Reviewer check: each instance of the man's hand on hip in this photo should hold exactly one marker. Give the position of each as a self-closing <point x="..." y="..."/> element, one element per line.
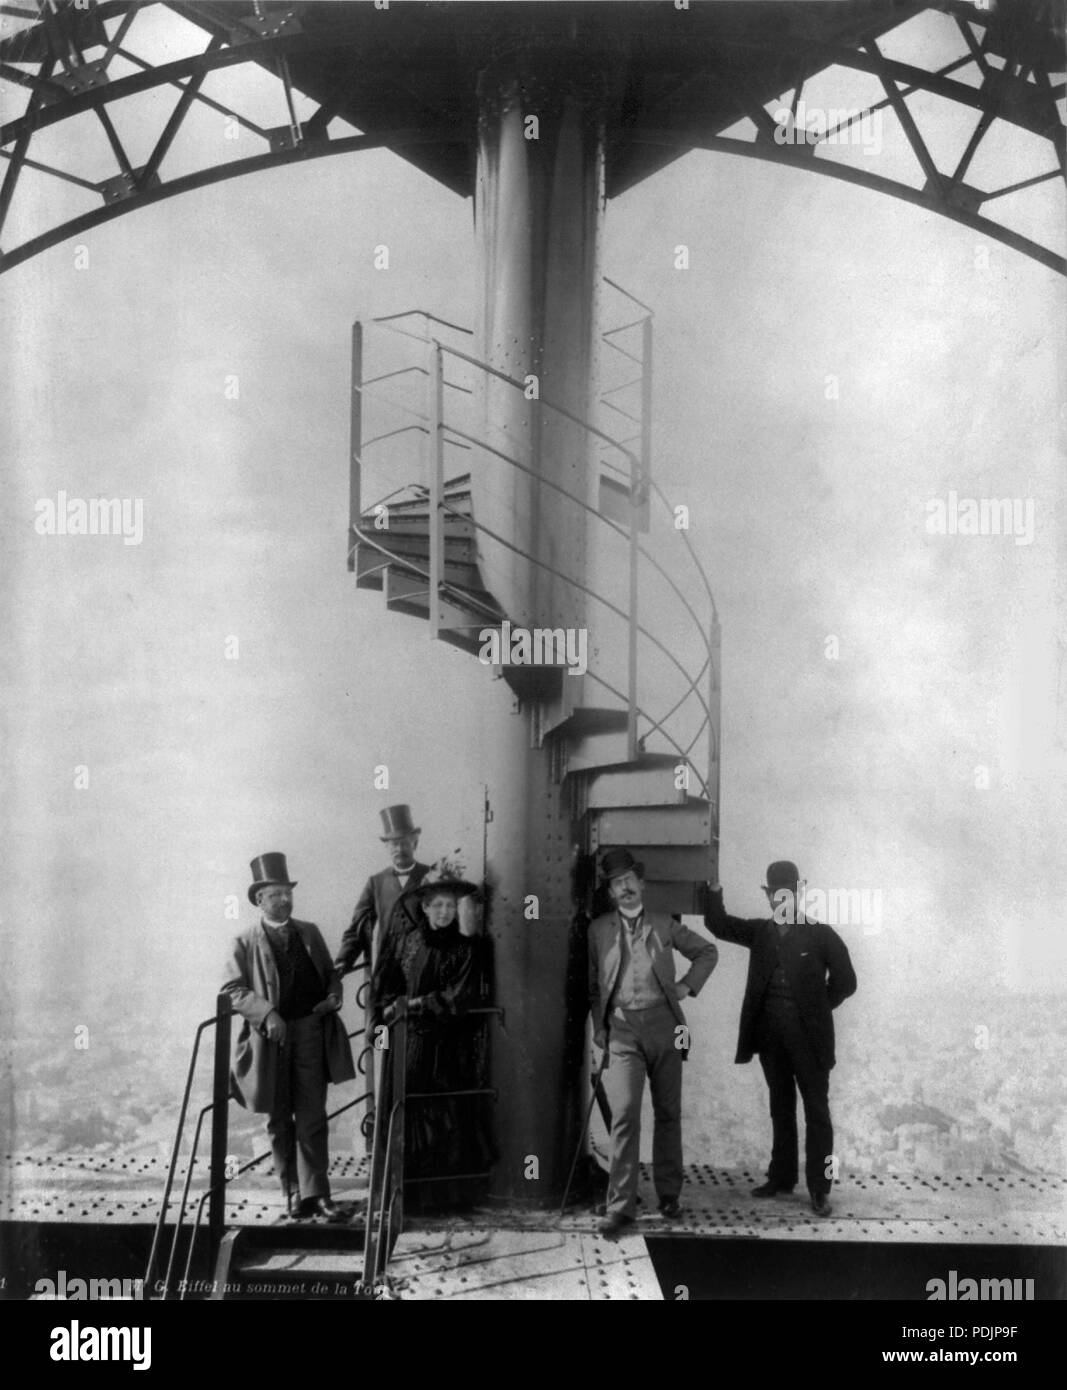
<point x="329" y="1005"/>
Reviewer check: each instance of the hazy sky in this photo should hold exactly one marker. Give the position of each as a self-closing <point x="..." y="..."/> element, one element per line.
<point x="809" y="514"/>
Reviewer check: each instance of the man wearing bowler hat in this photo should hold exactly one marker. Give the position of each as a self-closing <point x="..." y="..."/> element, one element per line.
<point x="370" y="918"/>
<point x="637" y="1016"/>
<point x="283" y="983"/>
<point x="798" y="973"/>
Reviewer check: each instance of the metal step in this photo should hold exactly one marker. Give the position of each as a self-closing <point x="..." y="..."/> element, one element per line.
<point x="459" y="626"/>
<point x="371" y="565"/>
<point x="407" y="524"/>
<point x="285" y="1261"/>
<point x="649" y="782"/>
<point x="597" y="749"/>
<point x="688" y="824"/>
<point x="464" y="573"/>
<point x="458" y="549"/>
<point x="678" y="899"/>
<point x="406" y="592"/>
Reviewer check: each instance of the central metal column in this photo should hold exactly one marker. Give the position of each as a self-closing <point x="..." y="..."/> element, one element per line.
<point x="538" y="205"/>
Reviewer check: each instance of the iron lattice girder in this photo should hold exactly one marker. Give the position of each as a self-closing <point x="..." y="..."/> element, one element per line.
<point x="407" y="78"/>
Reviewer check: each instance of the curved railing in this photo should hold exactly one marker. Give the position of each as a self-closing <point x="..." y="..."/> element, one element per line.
<point x="431" y="423"/>
<point x="219" y="1179"/>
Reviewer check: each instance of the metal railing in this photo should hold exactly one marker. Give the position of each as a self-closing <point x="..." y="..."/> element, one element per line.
<point x="219" y="1174"/>
<point x="385" y="1194"/>
<point x="384" y="1216"/>
<point x="701" y="689"/>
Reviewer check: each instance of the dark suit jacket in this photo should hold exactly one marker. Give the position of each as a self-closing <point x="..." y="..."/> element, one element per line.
<point x="816" y="964"/>
<point x="370" y="917"/>
<point x="254" y="989"/>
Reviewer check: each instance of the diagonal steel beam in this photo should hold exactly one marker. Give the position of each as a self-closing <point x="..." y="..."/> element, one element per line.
<point x="985" y="120"/>
<point x="1023" y="183"/>
<point x="907" y="121"/>
<point x="180" y="70"/>
<point x="200" y="97"/>
<point x="18" y="154"/>
<point x="56" y="173"/>
<point x="203" y="178"/>
<point x="177" y="116"/>
<point x="878" y="183"/>
<point x="114" y="141"/>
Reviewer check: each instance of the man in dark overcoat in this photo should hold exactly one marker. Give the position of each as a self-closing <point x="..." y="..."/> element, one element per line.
<point x="291" y="1043"/>
<point x="370" y="918"/>
<point x="799" y="971"/>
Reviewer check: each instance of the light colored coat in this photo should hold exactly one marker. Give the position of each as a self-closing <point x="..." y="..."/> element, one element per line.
<point x="254" y="988"/>
<point x="665" y="937"/>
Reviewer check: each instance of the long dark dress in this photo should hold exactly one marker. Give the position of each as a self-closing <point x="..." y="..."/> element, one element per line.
<point x="437" y="970"/>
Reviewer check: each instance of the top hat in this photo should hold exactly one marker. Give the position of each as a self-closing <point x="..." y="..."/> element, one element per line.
<point x="619" y="861"/>
<point x="268" y="869"/>
<point x="396" y="821"/>
<point x="782" y="874"/>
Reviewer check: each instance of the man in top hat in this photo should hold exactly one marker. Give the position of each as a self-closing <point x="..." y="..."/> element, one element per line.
<point x="798" y="973"/>
<point x="370" y="918"/>
<point x="283" y="983"/>
<point x="637" y="1016"/>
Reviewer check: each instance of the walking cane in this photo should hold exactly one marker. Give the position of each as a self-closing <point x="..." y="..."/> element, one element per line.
<point x="585" y="1126"/>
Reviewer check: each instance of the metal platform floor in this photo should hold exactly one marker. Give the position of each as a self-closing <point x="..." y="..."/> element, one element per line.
<point x="1006" y="1209"/>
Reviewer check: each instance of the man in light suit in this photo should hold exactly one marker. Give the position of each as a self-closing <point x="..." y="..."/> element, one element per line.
<point x="799" y="971"/>
<point x="637" y="1015"/>
<point x="370" y="919"/>
<point x="282" y="982"/>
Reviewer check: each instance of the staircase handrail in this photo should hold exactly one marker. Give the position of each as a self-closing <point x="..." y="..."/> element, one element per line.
<point x="218" y="1108"/>
<point x="581" y="502"/>
<point x="201" y="1029"/>
<point x="641" y="485"/>
<point x="494" y="615"/>
<point x="543" y="564"/>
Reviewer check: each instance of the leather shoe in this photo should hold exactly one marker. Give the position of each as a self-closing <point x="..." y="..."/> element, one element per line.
<point x="614" y="1224"/>
<point x="319" y="1206"/>
<point x="769" y="1189"/>
<point x="670" y="1208"/>
<point x="820" y="1204"/>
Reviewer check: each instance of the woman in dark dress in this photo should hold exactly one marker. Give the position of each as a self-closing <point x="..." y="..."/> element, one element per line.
<point x="426" y="959"/>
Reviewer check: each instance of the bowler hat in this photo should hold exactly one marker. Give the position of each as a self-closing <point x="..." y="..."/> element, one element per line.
<point x="396" y="820"/>
<point x="619" y="861"/>
<point x="267" y="870"/>
<point x="782" y="874"/>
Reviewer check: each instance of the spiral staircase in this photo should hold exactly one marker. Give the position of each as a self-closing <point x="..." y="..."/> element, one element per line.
<point x="640" y="774"/>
